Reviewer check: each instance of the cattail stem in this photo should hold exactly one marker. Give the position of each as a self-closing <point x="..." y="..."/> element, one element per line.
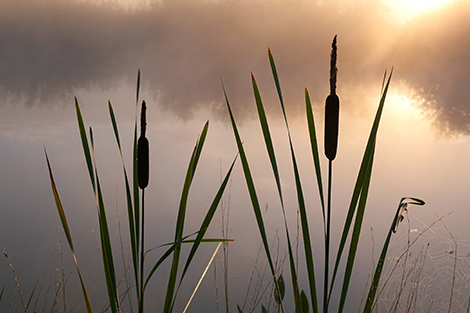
<point x="331" y="146"/>
<point x="142" y="254"/>
<point x="327" y="240"/>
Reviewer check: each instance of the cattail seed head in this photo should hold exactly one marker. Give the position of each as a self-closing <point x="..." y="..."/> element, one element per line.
<point x="332" y="109"/>
<point x="331" y="126"/>
<point x="143" y="151"/>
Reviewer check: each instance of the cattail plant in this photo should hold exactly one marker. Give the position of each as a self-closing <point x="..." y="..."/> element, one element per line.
<point x="331" y="146"/>
<point x="143" y="179"/>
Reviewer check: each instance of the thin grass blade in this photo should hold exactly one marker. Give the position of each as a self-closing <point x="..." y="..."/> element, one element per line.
<point x="202" y="277"/>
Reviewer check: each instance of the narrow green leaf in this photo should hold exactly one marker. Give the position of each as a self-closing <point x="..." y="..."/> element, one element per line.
<point x="207" y="220"/>
<point x="272" y="158"/>
<point x="130" y="210"/>
<point x="314" y="148"/>
<point x="66" y="229"/>
<point x="107" y="255"/>
<point x="31" y="295"/>
<point x="303" y="213"/>
<point x="181" y="217"/>
<point x="304" y="300"/>
<point x="361" y="189"/>
<point x="86" y="147"/>
<point x="356" y="232"/>
<point x="252" y="191"/>
<point x="359" y="182"/>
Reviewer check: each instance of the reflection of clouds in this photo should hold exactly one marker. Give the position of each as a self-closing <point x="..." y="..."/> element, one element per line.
<point x="51" y="49"/>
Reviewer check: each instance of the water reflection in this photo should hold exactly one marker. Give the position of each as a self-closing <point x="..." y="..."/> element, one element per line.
<point x="410" y="161"/>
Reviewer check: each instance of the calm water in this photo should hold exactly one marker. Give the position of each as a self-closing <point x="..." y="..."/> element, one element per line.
<point x="411" y="160"/>
<point x="61" y="49"/>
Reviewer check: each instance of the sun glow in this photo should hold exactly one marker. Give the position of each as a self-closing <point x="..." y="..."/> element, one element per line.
<point x="408" y="9"/>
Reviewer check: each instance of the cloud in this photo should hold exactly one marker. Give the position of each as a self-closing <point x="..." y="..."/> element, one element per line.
<point x="52" y="49"/>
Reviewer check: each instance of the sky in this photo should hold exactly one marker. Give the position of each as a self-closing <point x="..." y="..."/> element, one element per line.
<point x="53" y="50"/>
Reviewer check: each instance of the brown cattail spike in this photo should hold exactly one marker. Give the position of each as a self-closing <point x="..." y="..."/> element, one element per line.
<point x="332" y="110"/>
<point x="143" y="151"/>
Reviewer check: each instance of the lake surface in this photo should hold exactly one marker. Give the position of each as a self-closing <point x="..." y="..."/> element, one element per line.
<point x="54" y="50"/>
<point x="411" y="160"/>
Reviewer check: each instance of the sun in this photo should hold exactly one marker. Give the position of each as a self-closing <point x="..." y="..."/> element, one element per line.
<point x="408" y="9"/>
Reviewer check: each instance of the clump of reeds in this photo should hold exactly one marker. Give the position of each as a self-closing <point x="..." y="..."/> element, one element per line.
<point x="356" y="207"/>
<point x="136" y="217"/>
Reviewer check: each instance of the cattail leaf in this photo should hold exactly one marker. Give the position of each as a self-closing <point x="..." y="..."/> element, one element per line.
<point x="86" y="147"/>
<point x="207" y="220"/>
<point x="302" y="209"/>
<point x="360" y="181"/>
<point x="66" y="229"/>
<point x="304" y="301"/>
<point x="251" y="190"/>
<point x="130" y="210"/>
<point x="360" y="190"/>
<point x="107" y="255"/>
<point x="181" y="217"/>
<point x="314" y="148"/>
